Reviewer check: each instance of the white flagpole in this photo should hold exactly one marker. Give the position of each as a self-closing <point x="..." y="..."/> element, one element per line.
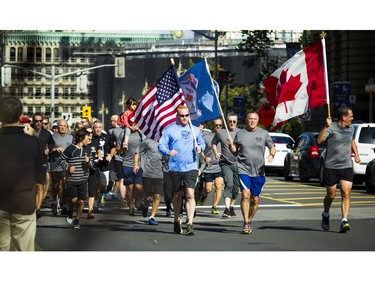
<point x="326" y="84"/>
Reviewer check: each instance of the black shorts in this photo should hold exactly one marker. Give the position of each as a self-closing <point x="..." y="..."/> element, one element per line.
<point x="118" y="171"/>
<point x="76" y="190"/>
<point x="152" y="186"/>
<point x="210" y="177"/>
<point x="182" y="180"/>
<point x="333" y="176"/>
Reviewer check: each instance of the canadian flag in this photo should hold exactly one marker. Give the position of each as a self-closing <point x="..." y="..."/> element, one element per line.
<point x="298" y="84"/>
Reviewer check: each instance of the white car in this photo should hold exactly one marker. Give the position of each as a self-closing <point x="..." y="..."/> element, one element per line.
<point x="281" y="140"/>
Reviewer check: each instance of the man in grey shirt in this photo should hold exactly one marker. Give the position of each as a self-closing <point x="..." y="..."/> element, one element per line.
<point x="338" y="166"/>
<point x="228" y="164"/>
<point x="250" y="144"/>
<point x="132" y="181"/>
<point x="152" y="176"/>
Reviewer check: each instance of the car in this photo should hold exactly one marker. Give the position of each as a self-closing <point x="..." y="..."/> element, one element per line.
<point x="281" y="141"/>
<point x="370" y="177"/>
<point x="303" y="159"/>
<point x="364" y="136"/>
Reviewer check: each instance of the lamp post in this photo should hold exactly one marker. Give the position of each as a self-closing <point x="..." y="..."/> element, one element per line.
<point x="370" y="89"/>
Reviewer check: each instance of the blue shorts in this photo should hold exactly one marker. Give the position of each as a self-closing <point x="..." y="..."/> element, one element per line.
<point x="130" y="177"/>
<point x="254" y="184"/>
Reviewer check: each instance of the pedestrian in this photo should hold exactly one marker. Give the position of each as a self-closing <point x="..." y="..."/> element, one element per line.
<point x="182" y="142"/>
<point x="132" y="181"/>
<point x="152" y="176"/>
<point x="228" y="164"/>
<point x="104" y="149"/>
<point x="76" y="161"/>
<point x="249" y="144"/>
<point x="212" y="174"/>
<point x="116" y="175"/>
<point x="46" y="143"/>
<point x="22" y="169"/>
<point x="338" y="166"/>
<point x="62" y="139"/>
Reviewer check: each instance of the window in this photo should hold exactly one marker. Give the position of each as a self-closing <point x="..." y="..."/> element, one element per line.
<point x="12" y="54"/>
<point x="48" y="55"/>
<point x="56" y="54"/>
<point x="20" y="54"/>
<point x="30" y="54"/>
<point x="38" y="52"/>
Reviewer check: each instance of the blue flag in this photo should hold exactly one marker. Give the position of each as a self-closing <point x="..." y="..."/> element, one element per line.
<point x="200" y="96"/>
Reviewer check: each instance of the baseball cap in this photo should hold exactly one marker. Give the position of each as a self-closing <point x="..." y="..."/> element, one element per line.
<point x="25" y="119"/>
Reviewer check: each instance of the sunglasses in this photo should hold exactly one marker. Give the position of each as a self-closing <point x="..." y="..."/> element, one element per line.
<point x="44" y="123"/>
<point x="232" y="121"/>
<point x="182" y="115"/>
<point x="37" y="121"/>
<point x="218" y="125"/>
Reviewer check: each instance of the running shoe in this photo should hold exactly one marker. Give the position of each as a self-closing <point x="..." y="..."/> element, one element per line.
<point x="325" y="222"/>
<point x="131" y="212"/>
<point x="90" y="215"/>
<point x="64" y="210"/>
<point x="231" y="212"/>
<point x="144" y="211"/>
<point x="115" y="196"/>
<point x="125" y="147"/>
<point x="177" y="227"/>
<point x="168" y="213"/>
<point x="226" y="213"/>
<point x="76" y="224"/>
<point x="190" y="230"/>
<point x="247" y="229"/>
<point x="102" y="201"/>
<point x="54" y="208"/>
<point x="344" y="227"/>
<point x="152" y="221"/>
<point x="214" y="211"/>
<point x="202" y="200"/>
<point x="69" y="217"/>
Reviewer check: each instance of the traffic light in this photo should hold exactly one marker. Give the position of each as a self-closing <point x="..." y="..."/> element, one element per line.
<point x="86" y="112"/>
<point x="120" y="67"/>
<point x="6" y="76"/>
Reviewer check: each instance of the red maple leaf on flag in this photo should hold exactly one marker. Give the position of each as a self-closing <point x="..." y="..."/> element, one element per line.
<point x="286" y="90"/>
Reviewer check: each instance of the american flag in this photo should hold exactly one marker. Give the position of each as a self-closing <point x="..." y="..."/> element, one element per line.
<point x="157" y="109"/>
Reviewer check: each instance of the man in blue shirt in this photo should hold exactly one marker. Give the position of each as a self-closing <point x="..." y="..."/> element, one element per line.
<point x="182" y="142"/>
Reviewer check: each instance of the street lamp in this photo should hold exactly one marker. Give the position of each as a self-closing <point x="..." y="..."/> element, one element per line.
<point x="370" y="89"/>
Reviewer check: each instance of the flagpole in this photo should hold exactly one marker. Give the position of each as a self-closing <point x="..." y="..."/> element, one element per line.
<point x="190" y="124"/>
<point x="326" y="84"/>
<point x="217" y="98"/>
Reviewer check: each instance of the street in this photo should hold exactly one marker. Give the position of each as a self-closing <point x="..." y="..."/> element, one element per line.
<point x="287" y="243"/>
<point x="288" y="219"/>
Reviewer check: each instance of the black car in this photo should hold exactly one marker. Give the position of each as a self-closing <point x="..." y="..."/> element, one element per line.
<point x="370" y="177"/>
<point x="303" y="160"/>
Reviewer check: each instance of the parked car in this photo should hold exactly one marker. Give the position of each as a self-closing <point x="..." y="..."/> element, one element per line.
<point x="364" y="136"/>
<point x="303" y="159"/>
<point x="281" y="141"/>
<point x="370" y="177"/>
